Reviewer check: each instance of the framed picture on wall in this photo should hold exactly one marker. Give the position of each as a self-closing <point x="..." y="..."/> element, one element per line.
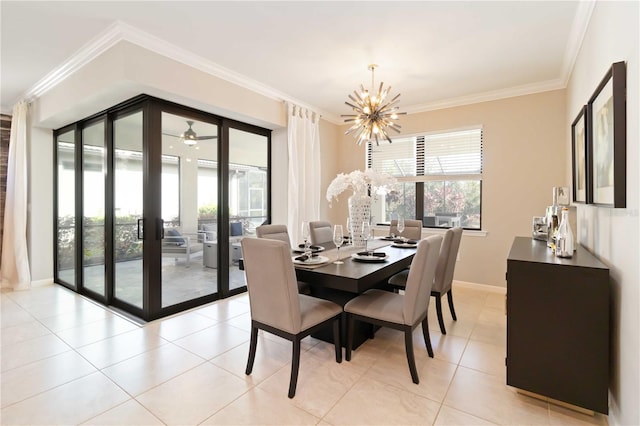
<point x="607" y="139"/>
<point x="579" y="157"/>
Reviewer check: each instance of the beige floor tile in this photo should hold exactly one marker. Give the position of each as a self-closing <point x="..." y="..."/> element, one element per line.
<point x="130" y="413"/>
<point x="12" y="314"/>
<point x="83" y="314"/>
<point x="485" y="357"/>
<point x="320" y="383"/>
<point x="144" y="371"/>
<point x="72" y="403"/>
<point x="24" y="331"/>
<point x="213" y="341"/>
<point x="243" y="322"/>
<point x="493" y="334"/>
<point x="488" y="397"/>
<point x="374" y="403"/>
<point x="26" y="381"/>
<point x="31" y="350"/>
<point x="447" y="347"/>
<point x="257" y="407"/>
<point x="192" y="397"/>
<point x="223" y="310"/>
<point x="93" y="332"/>
<point x="270" y="357"/>
<point x="451" y="417"/>
<point x="179" y="326"/>
<point x="121" y="347"/>
<point x="565" y="416"/>
<point x="435" y="375"/>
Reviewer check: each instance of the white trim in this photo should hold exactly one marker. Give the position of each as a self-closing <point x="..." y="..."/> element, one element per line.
<point x="91" y="50"/>
<point x="42" y="283"/>
<point x="493" y="95"/>
<point x="483" y="287"/>
<point x="576" y="37"/>
<point x="119" y="31"/>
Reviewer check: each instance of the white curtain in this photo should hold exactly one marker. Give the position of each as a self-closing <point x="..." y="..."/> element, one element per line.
<point x="14" y="268"/>
<point x="304" y="168"/>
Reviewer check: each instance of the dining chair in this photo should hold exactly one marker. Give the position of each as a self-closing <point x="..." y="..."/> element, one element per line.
<point x="321" y="232"/>
<point x="412" y="229"/>
<point x="281" y="233"/>
<point x="277" y="307"/>
<point x="444" y="274"/>
<point x="402" y="312"/>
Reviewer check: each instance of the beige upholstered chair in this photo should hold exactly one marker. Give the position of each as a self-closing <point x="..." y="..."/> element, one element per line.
<point x="401" y="312"/>
<point x="276" y="305"/>
<point x="444" y="274"/>
<point x="412" y="229"/>
<point x="321" y="232"/>
<point x="274" y="232"/>
<point x="280" y="233"/>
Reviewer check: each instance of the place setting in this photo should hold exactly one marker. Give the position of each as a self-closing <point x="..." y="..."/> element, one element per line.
<point x="309" y="253"/>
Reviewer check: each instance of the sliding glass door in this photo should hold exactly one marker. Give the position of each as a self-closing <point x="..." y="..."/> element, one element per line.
<point x="189" y="209"/>
<point x="152" y="202"/>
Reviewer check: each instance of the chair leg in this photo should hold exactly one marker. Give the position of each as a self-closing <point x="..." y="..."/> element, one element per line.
<point x="295" y="366"/>
<point x="453" y="311"/>
<point x="439" y="312"/>
<point x="427" y="338"/>
<point x="350" y="324"/>
<point x="252" y="349"/>
<point x="408" y="344"/>
<point x="336" y="339"/>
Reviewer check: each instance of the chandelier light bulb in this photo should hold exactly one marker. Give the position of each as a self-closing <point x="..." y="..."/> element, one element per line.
<point x="371" y="116"/>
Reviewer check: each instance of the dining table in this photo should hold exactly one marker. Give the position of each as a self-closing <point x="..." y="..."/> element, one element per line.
<point x="340" y="283"/>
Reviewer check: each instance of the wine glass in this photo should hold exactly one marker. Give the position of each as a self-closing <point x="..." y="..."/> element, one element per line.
<point x="349" y="230"/>
<point x="400" y="226"/>
<point x="338" y="240"/>
<point x="306" y="233"/>
<point x="366" y="233"/>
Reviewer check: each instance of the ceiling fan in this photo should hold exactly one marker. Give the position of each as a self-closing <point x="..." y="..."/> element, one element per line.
<point x="189" y="136"/>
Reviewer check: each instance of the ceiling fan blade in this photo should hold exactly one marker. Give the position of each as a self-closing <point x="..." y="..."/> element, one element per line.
<point x="170" y="134"/>
<point x="202" y="138"/>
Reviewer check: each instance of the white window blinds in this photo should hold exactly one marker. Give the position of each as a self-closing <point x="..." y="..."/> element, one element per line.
<point x="453" y="154"/>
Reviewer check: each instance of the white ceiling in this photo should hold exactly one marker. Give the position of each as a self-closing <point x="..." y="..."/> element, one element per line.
<point x="434" y="53"/>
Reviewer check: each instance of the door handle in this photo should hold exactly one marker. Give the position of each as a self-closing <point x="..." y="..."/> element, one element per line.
<point x="160" y="228"/>
<point x="141" y="229"/>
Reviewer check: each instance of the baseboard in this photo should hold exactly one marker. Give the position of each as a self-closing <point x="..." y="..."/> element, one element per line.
<point x="483" y="287"/>
<point x="42" y="283"/>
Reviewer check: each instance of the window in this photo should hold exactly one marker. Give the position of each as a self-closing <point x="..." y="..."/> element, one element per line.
<point x="439" y="178"/>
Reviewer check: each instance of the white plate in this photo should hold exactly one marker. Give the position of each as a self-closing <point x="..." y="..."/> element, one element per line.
<point x="358" y="257"/>
<point x="301" y="250"/>
<point x="404" y="245"/>
<point x="313" y="261"/>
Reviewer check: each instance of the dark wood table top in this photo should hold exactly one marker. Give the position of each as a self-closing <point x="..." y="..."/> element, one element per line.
<point x="355" y="276"/>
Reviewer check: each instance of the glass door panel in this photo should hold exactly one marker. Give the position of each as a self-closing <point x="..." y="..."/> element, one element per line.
<point x="66" y="208"/>
<point x="128" y="165"/>
<point x="189" y="209"/>
<point x="248" y="193"/>
<point x="93" y="230"/>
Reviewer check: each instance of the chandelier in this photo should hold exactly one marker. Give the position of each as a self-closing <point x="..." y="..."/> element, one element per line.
<point x="373" y="116"/>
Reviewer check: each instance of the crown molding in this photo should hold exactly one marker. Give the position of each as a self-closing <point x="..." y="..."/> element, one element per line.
<point x="120" y="31"/>
<point x="527" y="89"/>
<point x="576" y="37"/>
<point x="91" y="50"/>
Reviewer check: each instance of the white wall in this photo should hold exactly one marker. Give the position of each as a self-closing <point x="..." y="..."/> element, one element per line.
<point x="613" y="234"/>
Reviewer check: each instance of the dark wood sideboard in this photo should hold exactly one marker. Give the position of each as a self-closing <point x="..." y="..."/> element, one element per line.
<point x="558" y="324"/>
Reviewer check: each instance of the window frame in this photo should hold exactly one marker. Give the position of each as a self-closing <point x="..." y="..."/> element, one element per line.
<point x="422" y="176"/>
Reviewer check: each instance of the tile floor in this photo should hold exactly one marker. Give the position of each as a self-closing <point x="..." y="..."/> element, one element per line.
<point x="66" y="360"/>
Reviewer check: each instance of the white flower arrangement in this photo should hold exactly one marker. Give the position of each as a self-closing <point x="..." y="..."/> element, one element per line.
<point x="358" y="181"/>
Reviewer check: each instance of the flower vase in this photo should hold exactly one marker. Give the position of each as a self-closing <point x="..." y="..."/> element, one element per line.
<point x="359" y="212"/>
